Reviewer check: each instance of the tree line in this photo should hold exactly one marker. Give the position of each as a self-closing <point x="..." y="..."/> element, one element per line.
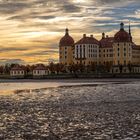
<point x="57" y="68"/>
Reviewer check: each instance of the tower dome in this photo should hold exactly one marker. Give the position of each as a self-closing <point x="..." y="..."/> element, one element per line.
<point x="66" y="40"/>
<point x="122" y="35"/>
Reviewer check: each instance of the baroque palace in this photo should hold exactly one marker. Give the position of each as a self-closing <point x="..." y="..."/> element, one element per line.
<point x="116" y="51"/>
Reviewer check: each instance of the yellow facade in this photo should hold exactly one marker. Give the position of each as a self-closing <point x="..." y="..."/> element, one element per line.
<point x="66" y="49"/>
<point x="86" y="51"/>
<point x="85" y="62"/>
<point x="122" y="53"/>
<point x="66" y="55"/>
<point x="115" y="51"/>
<point x="136" y="56"/>
<point x="106" y="56"/>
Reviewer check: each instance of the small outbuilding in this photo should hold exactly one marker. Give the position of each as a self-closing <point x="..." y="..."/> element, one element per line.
<point x="40" y="71"/>
<point x="17" y="72"/>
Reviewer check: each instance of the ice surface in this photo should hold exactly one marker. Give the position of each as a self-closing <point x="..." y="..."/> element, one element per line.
<point x="72" y="111"/>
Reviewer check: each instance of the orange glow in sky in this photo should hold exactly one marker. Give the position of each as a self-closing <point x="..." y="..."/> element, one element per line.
<point x="30" y="30"/>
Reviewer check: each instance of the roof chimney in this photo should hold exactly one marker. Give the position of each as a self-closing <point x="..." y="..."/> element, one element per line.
<point x="84" y="35"/>
<point x="91" y="36"/>
<point x="106" y="36"/>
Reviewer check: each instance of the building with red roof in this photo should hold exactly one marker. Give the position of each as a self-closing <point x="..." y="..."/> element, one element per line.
<point x="40" y="71"/>
<point x="122" y="35"/>
<point x="106" y="50"/>
<point x="111" y="51"/>
<point x="17" y="72"/>
<point x="86" y="50"/>
<point x="66" y="49"/>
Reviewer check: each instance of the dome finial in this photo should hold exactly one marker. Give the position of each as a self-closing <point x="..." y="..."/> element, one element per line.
<point x="130" y="31"/>
<point x="103" y="35"/>
<point x="122" y="26"/>
<point x="67" y="31"/>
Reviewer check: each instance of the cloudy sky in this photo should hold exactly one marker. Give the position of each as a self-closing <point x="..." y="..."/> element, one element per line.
<point x="30" y="30"/>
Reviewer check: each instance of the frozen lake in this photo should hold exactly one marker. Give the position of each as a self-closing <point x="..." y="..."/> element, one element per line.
<point x="9" y="86"/>
<point x="70" y="109"/>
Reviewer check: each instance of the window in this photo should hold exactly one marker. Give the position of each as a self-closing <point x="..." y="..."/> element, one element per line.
<point x="124" y="62"/>
<point x="84" y="51"/>
<point x="118" y="62"/>
<point x="77" y="52"/>
<point x="118" y="49"/>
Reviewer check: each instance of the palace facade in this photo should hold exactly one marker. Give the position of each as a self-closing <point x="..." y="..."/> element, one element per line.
<point x="115" y="51"/>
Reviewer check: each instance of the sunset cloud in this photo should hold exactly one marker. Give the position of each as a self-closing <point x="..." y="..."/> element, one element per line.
<point x="30" y="30"/>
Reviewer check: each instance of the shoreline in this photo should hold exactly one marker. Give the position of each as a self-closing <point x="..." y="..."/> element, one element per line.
<point x="75" y="80"/>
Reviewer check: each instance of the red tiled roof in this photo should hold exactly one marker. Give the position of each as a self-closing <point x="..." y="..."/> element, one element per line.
<point x="67" y="40"/>
<point x="17" y="68"/>
<point x="122" y="36"/>
<point x="88" y="40"/>
<point x="40" y="67"/>
<point x="107" y="42"/>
